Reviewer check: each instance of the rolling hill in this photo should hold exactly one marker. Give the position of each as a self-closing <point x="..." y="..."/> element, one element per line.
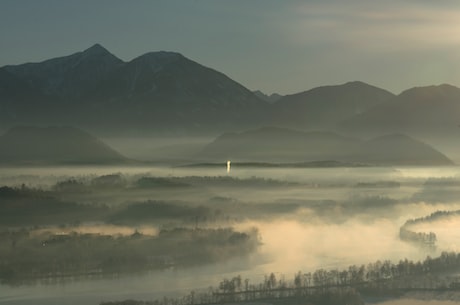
<point x="285" y="145"/>
<point x="54" y="145"/>
<point x="324" y="107"/>
<point x="420" y="111"/>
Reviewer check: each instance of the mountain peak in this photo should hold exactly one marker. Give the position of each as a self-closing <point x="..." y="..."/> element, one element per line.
<point x="160" y="56"/>
<point x="355" y="83"/>
<point x="96" y="49"/>
<point x="155" y="61"/>
<point x="432" y="91"/>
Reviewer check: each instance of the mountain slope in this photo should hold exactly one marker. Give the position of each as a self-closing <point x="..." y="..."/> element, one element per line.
<point x="172" y="90"/>
<point x="161" y="90"/>
<point x="54" y="145"/>
<point x="421" y="111"/>
<point x="400" y="149"/>
<point x="272" y="98"/>
<point x="69" y="77"/>
<point x="15" y="97"/>
<point x="285" y="145"/>
<point x="324" y="107"/>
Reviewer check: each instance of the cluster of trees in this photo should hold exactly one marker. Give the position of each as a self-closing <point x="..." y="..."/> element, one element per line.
<point x="378" y="184"/>
<point x="423" y="238"/>
<point x="117" y="181"/>
<point x="25" y="206"/>
<point x="433" y="217"/>
<point x="26" y="255"/>
<point x="224" y="181"/>
<point x="329" y="286"/>
<point x="145" y="212"/>
<point x="437" y="190"/>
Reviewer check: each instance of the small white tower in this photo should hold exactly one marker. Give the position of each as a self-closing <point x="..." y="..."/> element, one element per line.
<point x="228" y="166"/>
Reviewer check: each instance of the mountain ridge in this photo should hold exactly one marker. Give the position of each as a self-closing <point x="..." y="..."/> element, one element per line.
<point x="286" y="145"/>
<point x="323" y="107"/>
<point x="417" y="111"/>
<point x="157" y="90"/>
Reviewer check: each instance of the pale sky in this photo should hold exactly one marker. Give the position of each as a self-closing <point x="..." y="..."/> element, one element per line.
<point x="283" y="46"/>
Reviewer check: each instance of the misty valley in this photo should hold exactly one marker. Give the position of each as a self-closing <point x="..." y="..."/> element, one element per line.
<point x="160" y="181"/>
<point x="169" y="230"/>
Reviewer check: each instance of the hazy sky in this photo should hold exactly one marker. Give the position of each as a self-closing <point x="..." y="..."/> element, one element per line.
<point x="283" y="46"/>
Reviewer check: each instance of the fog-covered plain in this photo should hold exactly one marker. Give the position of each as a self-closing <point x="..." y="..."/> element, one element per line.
<point x="306" y="219"/>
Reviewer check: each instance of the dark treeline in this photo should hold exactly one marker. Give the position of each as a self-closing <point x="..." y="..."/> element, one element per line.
<point x="433" y="217"/>
<point x="423" y="238"/>
<point x="28" y="255"/>
<point x="329" y="286"/>
<point x="378" y="184"/>
<point x="117" y="181"/>
<point x="436" y="190"/>
<point x="26" y="206"/>
<point x="78" y="201"/>
<point x="211" y="181"/>
<point x="145" y="212"/>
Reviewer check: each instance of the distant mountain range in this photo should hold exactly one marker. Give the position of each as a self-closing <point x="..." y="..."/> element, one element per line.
<point x="59" y="145"/>
<point x="166" y="93"/>
<point x="285" y="145"/>
<point x="54" y="145"/>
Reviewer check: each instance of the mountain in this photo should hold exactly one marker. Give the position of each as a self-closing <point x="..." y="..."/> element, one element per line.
<point x="54" y="145"/>
<point x="432" y="111"/>
<point x="324" y="107"/>
<point x="272" y="98"/>
<point x="158" y="90"/>
<point x="285" y="145"/>
<point x="15" y="97"/>
<point x="70" y="77"/>
<point x="400" y="149"/>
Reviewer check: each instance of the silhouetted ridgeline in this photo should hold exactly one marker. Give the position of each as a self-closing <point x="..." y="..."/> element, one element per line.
<point x="347" y="286"/>
<point x="324" y="107"/>
<point x="95" y="90"/>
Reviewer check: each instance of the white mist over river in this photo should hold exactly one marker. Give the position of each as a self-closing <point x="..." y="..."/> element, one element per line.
<point x="301" y="241"/>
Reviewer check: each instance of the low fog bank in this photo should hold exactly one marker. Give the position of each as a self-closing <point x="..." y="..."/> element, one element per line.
<point x="273" y="220"/>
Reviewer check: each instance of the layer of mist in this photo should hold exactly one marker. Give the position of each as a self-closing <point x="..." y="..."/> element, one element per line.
<point x="305" y="219"/>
